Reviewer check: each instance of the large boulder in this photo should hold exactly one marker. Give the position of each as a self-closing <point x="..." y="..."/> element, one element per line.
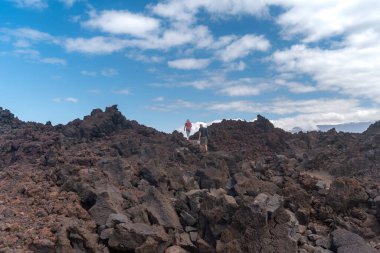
<point x="128" y="236"/>
<point x="260" y="235"/>
<point x="107" y="202"/>
<point x="345" y="193"/>
<point x="160" y="209"/>
<point x="267" y="204"/>
<point x="217" y="210"/>
<point x="72" y="238"/>
<point x="248" y="184"/>
<point x="176" y="249"/>
<point x="257" y="214"/>
<point x="347" y="242"/>
<point x="215" y="172"/>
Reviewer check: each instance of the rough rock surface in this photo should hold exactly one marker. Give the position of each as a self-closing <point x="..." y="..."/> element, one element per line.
<point x="348" y="242"/>
<point x="109" y="185"/>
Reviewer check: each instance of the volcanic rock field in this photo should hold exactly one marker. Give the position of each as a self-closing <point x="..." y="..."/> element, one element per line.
<point x="106" y="184"/>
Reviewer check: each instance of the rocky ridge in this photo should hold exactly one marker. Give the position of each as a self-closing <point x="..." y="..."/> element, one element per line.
<point x="108" y="184"/>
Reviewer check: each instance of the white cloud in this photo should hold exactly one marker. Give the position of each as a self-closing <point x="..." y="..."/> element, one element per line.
<point x="178" y="104"/>
<point x="241" y="90"/>
<point x="243" y="46"/>
<point x="32" y="34"/>
<point x="300" y="88"/>
<point x="122" y="92"/>
<point x="24" y="38"/>
<point x="71" y="100"/>
<point x="348" y="70"/>
<point x="4" y="38"/>
<point x="235" y="66"/>
<point x="311" y="121"/>
<point x="223" y="41"/>
<point x="28" y="53"/>
<point x="174" y="10"/>
<point x="189" y="63"/>
<point x="306" y="114"/>
<point x="316" y="20"/>
<point x="276" y="106"/>
<point x="208" y="82"/>
<point x="37" y="4"/>
<point x="185" y="11"/>
<point x="176" y="36"/>
<point x="35" y="56"/>
<point x="159" y="99"/>
<point x="308" y="122"/>
<point x="239" y="106"/>
<point x="286" y="107"/>
<point x="75" y="18"/>
<point x="295" y="87"/>
<point x="198" y="36"/>
<point x="364" y="39"/>
<point x="349" y="59"/>
<point x="231" y="87"/>
<point x="28" y="35"/>
<point x="89" y="73"/>
<point x="144" y="58"/>
<point x="68" y="3"/>
<point x="67" y="99"/>
<point x="123" y="22"/>
<point x="95" y="91"/>
<point x="22" y="43"/>
<point x="321" y="105"/>
<point x="95" y="45"/>
<point x="108" y="72"/>
<point x="54" y="61"/>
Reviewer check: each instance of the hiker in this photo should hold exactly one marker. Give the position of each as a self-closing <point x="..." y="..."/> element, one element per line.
<point x="203" y="136"/>
<point x="187" y="128"/>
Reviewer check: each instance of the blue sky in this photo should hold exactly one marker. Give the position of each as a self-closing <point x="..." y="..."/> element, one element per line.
<point x="298" y="63"/>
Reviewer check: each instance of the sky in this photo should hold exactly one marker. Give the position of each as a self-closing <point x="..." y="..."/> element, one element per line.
<point x="299" y="63"/>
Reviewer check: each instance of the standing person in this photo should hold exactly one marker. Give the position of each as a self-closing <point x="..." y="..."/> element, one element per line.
<point x="187" y="128"/>
<point x="203" y="136"/>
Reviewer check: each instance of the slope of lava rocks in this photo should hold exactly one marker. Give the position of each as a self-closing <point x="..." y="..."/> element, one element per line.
<point x="250" y="139"/>
<point x="108" y="184"/>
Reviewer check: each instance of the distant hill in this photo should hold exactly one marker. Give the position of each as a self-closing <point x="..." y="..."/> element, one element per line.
<point x="358" y="127"/>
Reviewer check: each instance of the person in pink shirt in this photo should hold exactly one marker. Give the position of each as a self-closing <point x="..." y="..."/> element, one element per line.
<point x="187" y="128"/>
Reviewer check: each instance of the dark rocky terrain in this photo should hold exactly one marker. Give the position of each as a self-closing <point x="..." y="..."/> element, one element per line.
<point x="107" y="184"/>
